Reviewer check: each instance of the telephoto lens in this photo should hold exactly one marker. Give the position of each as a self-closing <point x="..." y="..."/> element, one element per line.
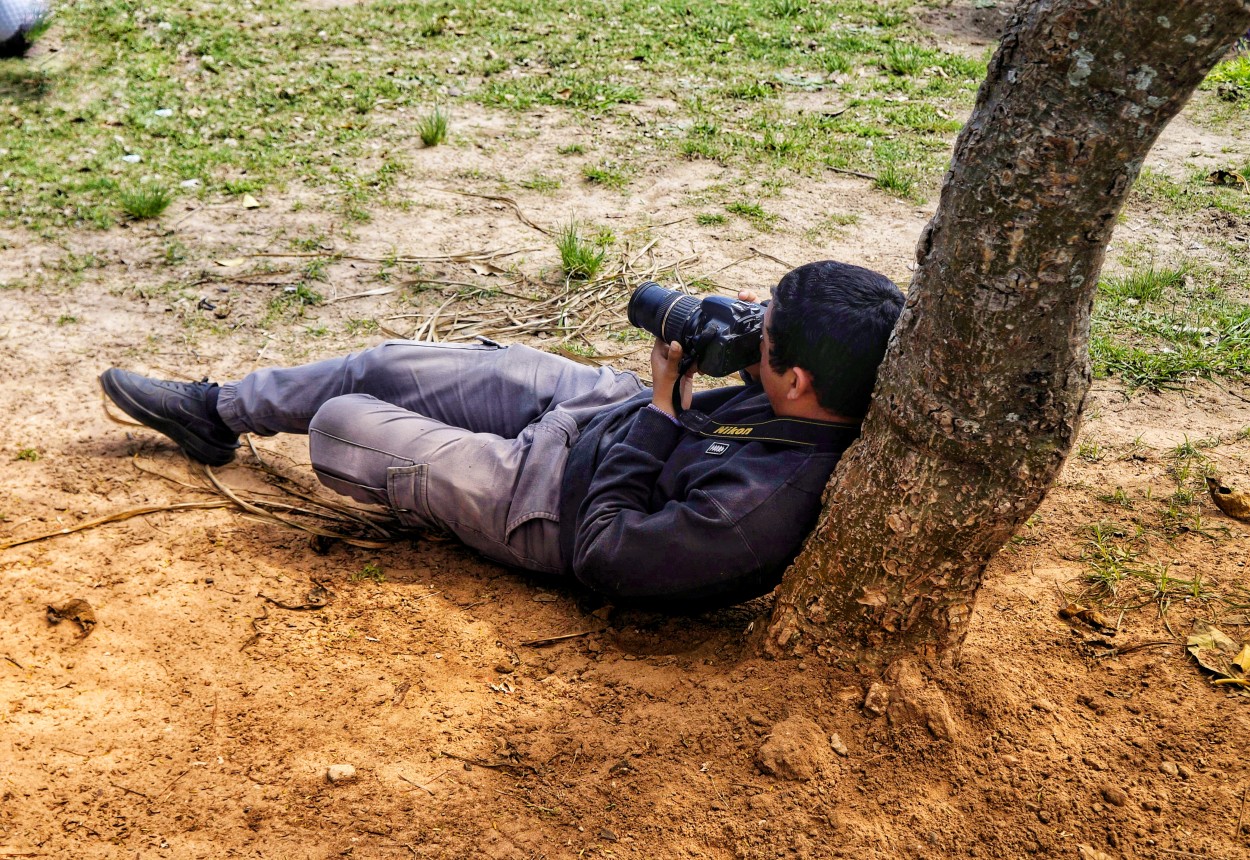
<point x="720" y="335"/>
<point x="661" y="311"/>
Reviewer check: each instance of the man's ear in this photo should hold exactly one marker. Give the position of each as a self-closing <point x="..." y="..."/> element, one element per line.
<point x="802" y="384"/>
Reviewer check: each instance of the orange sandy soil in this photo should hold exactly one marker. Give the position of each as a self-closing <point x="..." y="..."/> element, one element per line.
<point x="198" y="719"/>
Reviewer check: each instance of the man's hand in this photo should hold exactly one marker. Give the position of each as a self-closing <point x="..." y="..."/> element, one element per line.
<point x="665" y="359"/>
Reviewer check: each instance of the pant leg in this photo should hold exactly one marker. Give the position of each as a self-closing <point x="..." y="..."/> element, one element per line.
<point x="480" y="387"/>
<point x="436" y="476"/>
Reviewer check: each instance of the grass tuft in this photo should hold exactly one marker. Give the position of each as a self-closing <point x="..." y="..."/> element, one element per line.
<point x="608" y="174"/>
<point x="371" y="572"/>
<point x="753" y="212"/>
<point x="432" y="128"/>
<point x="895" y="181"/>
<point x="146" y="201"/>
<point x="580" y="258"/>
<point x="1148" y="285"/>
<point x="1163" y="328"/>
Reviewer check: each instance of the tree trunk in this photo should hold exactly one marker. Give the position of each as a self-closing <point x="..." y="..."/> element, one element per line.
<point x="979" y="399"/>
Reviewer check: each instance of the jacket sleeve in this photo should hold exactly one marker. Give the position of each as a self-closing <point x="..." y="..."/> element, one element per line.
<point x="689" y="549"/>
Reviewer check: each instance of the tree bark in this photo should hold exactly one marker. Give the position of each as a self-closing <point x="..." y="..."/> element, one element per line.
<point x="979" y="399"/>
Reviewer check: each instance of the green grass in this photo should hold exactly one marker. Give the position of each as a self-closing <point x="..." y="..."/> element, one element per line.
<point x="895" y="180"/>
<point x="432" y="127"/>
<point x="1119" y="498"/>
<point x="242" y="106"/>
<point x="30" y="455"/>
<point x="293" y="301"/>
<point x="1090" y="452"/>
<point x="608" y="174"/>
<point x="1234" y="71"/>
<point x="358" y="327"/>
<point x="581" y="258"/>
<point x="1126" y="563"/>
<point x="1111" y="553"/>
<point x="145" y="201"/>
<point x="1143" y="285"/>
<point x="753" y="212"/>
<point x="541" y="183"/>
<point x="371" y="572"/>
<point x="1164" y="327"/>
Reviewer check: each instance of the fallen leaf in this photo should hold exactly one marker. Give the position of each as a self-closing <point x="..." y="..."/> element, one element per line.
<point x="1242" y="660"/>
<point x="77" y="610"/>
<point x="231" y="263"/>
<point x="1220" y="655"/>
<point x="1092" y="617"/>
<point x="1228" y="500"/>
<point x="250" y="202"/>
<point x="487" y="269"/>
<point x="1228" y="177"/>
<point x="564" y="94"/>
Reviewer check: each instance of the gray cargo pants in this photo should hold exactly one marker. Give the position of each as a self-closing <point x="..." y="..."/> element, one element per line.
<point x="467" y="438"/>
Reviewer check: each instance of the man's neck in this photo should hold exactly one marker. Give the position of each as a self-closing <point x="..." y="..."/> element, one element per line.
<point x="813" y="412"/>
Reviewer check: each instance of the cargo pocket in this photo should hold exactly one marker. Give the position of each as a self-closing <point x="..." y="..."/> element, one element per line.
<point x="407" y="488"/>
<point x="537" y="493"/>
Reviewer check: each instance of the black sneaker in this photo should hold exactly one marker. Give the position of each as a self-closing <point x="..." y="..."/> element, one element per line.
<point x="180" y="410"/>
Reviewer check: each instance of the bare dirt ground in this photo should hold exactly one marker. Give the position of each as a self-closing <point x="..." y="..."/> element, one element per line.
<point x="199" y="719"/>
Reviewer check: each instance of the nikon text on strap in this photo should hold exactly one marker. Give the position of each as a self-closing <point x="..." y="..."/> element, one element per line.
<point x="800" y="432"/>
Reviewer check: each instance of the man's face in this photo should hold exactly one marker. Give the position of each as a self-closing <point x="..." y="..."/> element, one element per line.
<point x="775" y="384"/>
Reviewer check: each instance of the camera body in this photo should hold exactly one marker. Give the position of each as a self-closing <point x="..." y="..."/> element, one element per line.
<point x="721" y="335"/>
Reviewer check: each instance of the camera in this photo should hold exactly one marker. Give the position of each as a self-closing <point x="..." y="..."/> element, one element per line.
<point x="721" y="335"/>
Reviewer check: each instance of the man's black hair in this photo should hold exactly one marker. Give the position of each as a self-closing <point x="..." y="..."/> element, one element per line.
<point x="14" y="47"/>
<point x="834" y="321"/>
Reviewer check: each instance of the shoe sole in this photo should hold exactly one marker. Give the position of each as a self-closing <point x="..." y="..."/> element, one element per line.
<point x="192" y="445"/>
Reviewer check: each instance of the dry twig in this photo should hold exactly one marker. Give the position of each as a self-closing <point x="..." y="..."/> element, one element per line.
<point x="547" y="640"/>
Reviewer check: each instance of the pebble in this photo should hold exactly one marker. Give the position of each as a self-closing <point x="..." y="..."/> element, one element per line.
<point x="1169" y="768"/>
<point x="162" y="112"/>
<point x="1185" y="771"/>
<point x="340" y="773"/>
<point x="1095" y="763"/>
<point x="1046" y="705"/>
<point x="1114" y="795"/>
<point x="132" y="158"/>
<point x="189" y="183"/>
<point x="839" y="747"/>
<point x="877" y="699"/>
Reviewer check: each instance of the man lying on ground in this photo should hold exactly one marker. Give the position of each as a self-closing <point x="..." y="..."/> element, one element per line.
<point x="549" y="465"/>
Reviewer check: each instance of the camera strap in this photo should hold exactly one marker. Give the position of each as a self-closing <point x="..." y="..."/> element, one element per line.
<point x="800" y="432"/>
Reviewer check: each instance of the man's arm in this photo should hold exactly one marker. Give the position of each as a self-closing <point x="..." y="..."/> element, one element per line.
<point x="728" y="535"/>
<point x="688" y="549"/>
